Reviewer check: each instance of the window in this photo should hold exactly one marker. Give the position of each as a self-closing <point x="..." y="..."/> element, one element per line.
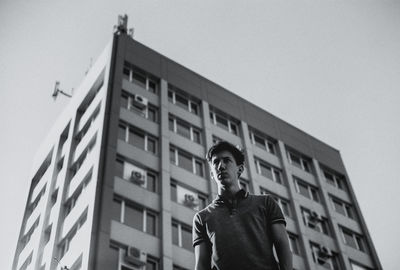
<point x="335" y="180"/>
<point x="184" y="129"/>
<point x="27" y="262"/>
<point x="343" y="208"/>
<point x="299" y="161"/>
<point x="152" y="263"/>
<point x="186" y="161"/>
<point x="187" y="197"/>
<point x="141" y="78"/>
<point x="72" y="201"/>
<point x="79" y="136"/>
<point x="145" y="178"/>
<point x="315" y="221"/>
<point x="35" y="203"/>
<point x="268" y="171"/>
<point x="283" y="203"/>
<point x="223" y="121"/>
<point x="306" y="190"/>
<point x="262" y="141"/>
<point x="148" y="111"/>
<point x="137" y="138"/>
<point x="324" y="257"/>
<point x="177" y="97"/>
<point x="182" y="235"/>
<point x="356" y="266"/>
<point x="353" y="239"/>
<point x="65" y="244"/>
<point x="42" y="170"/>
<point x="294" y="243"/>
<point x="136" y="216"/>
<point x="81" y="159"/>
<point x="27" y="237"/>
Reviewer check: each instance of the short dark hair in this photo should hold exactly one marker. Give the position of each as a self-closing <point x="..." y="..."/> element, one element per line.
<point x="220" y="146"/>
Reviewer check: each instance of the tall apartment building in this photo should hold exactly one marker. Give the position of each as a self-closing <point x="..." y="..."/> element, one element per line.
<point x="119" y="178"/>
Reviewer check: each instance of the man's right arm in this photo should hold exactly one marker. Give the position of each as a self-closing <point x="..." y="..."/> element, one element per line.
<point x="203" y="256"/>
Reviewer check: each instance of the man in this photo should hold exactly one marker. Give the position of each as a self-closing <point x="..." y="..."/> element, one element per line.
<point x="238" y="230"/>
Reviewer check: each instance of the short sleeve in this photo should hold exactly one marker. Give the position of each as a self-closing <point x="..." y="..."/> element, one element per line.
<point x="274" y="212"/>
<point x="198" y="232"/>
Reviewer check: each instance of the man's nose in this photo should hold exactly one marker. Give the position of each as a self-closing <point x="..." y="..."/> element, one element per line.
<point x="221" y="165"/>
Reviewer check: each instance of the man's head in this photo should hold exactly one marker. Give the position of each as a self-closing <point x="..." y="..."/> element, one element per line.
<point x="226" y="162"/>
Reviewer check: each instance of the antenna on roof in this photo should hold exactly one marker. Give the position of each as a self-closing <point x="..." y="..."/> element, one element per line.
<point x="122" y="26"/>
<point x="58" y="90"/>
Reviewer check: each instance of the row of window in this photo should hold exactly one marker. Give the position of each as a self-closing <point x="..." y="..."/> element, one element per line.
<point x="218" y="118"/>
<point x="148" y="179"/>
<point x="321" y="255"/>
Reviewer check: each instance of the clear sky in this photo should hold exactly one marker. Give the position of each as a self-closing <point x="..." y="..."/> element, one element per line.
<point x="331" y="68"/>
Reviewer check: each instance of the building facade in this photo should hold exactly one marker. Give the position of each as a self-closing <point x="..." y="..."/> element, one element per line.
<point x="121" y="174"/>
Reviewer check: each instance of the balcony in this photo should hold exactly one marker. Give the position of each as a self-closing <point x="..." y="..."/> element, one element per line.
<point x="42" y="182"/>
<point x="129" y="236"/>
<point x="146" y="158"/>
<point x="183" y="257"/>
<point x="40" y="208"/>
<point x="193" y="180"/>
<point x="185" y="115"/>
<point x="80" y="206"/>
<point x="30" y="246"/>
<point x="84" y="171"/>
<point x="90" y="134"/>
<point x="79" y="246"/>
<point x="136" y="193"/>
<point x="89" y="111"/>
<point x="182" y="213"/>
<point x="135" y="119"/>
<point x="134" y="89"/>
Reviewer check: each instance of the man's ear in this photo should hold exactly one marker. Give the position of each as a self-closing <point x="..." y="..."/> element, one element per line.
<point x="212" y="175"/>
<point x="240" y="169"/>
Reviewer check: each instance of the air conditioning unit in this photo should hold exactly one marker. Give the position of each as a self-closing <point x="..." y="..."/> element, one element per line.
<point x="138" y="177"/>
<point x="140" y="102"/>
<point x="323" y="255"/>
<point x="190" y="200"/>
<point x="135" y="256"/>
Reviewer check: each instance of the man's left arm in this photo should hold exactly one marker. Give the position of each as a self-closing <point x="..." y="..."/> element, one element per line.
<point x="282" y="248"/>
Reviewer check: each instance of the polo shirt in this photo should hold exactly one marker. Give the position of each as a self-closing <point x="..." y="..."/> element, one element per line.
<point x="238" y="231"/>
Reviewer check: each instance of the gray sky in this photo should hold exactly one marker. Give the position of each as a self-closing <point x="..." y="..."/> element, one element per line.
<point x="331" y="68"/>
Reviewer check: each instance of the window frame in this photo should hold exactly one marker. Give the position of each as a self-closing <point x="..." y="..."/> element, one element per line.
<point x="231" y="126"/>
<point x="268" y="144"/>
<point x="192" y="105"/>
<point x="274" y="171"/>
<point x="312" y="190"/>
<point x="129" y="129"/>
<point x="195" y="160"/>
<point x="192" y="129"/>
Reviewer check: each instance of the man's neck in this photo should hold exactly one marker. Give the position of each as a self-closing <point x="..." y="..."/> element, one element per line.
<point x="228" y="192"/>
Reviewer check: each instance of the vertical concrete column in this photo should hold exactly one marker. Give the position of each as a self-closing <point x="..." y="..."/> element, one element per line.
<point x="248" y="151"/>
<point x="330" y="215"/>
<point x="205" y="109"/>
<point x="165" y="181"/>
<point x="304" y="244"/>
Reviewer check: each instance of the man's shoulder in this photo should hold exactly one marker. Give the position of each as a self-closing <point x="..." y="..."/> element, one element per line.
<point x="207" y="211"/>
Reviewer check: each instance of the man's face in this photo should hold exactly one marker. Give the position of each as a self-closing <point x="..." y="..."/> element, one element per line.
<point x="224" y="169"/>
